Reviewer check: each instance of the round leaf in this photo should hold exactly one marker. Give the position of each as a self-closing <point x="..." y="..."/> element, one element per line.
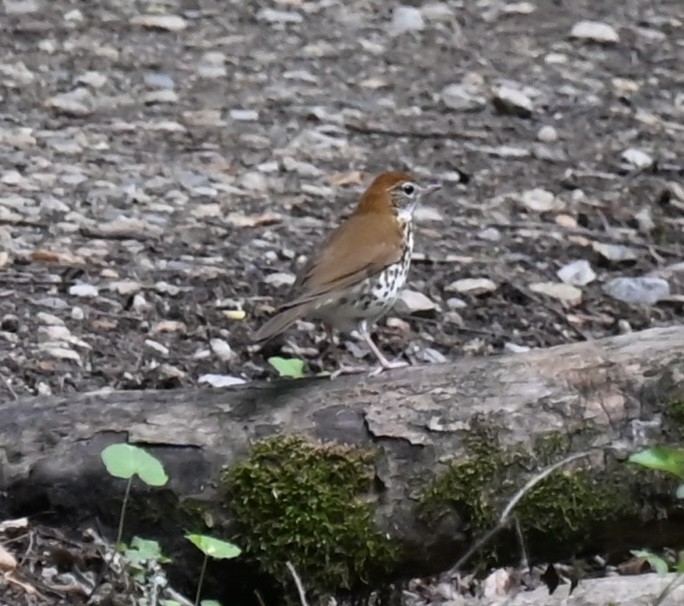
<point x="288" y="367"/>
<point x="126" y="460"/>
<point x="214" y="548"/>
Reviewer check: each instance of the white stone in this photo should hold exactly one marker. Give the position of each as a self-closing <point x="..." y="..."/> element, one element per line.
<point x="221" y="349"/>
<point x="220" y="380"/>
<point x="406" y="19"/>
<point x="637" y="291"/>
<point x="83" y="290"/>
<point x="577" y="273"/>
<point x="557" y="290"/>
<point x="280" y="279"/>
<point x="541" y="200"/>
<point x="411" y="301"/>
<point x="637" y="158"/>
<point x="474" y="286"/>
<point x="595" y="31"/>
<point x="171" y="23"/>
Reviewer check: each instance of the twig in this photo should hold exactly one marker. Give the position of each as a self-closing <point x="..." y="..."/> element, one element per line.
<point x="298" y="583"/>
<point x="365" y="129"/>
<point x="669" y="588"/>
<point x="88" y="232"/>
<point x="503" y="518"/>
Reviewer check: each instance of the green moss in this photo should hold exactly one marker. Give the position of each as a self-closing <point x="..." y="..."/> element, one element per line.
<point x="303" y="502"/>
<point x="565" y="506"/>
<point x="676" y="412"/>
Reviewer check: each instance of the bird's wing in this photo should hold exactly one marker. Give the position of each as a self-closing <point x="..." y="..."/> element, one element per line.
<point x="359" y="248"/>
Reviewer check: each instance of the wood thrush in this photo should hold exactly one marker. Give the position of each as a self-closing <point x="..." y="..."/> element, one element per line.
<point x="357" y="274"/>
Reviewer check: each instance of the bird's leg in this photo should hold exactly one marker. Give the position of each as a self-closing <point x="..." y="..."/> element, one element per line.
<point x="385" y="364"/>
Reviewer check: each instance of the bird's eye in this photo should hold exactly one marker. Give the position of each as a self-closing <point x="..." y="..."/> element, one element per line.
<point x="408" y="188"/>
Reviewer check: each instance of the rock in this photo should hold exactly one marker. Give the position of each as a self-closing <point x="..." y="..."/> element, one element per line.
<point x="577" y="273"/>
<point x="78" y="102"/>
<point x="541" y="200"/>
<point x="456" y="303"/>
<point x="509" y="100"/>
<point x="158" y="80"/>
<point x="83" y="290"/>
<point x="212" y="65"/>
<point x="637" y="158"/>
<point x="473" y="286"/>
<point x="92" y="79"/>
<point x="275" y="16"/>
<point x="170" y="23"/>
<point x="491" y="234"/>
<point x="461" y="97"/>
<point x="615" y="252"/>
<point x="515" y="348"/>
<point x="637" y="291"/>
<point x="557" y="290"/>
<point x="547" y="134"/>
<point x="645" y="220"/>
<point x="497" y="584"/>
<point x="406" y="19"/>
<point x="253" y="181"/>
<point x="244" y="115"/>
<point x="280" y="279"/>
<point x="437" y="11"/>
<point x="431" y="356"/>
<point x="596" y="31"/>
<point x="411" y="301"/>
<point x="77" y="313"/>
<point x="50" y="319"/>
<point x="126" y="287"/>
<point x="21" y="7"/>
<point x="221" y="350"/>
<point x="162" y="95"/>
<point x="220" y="380"/>
<point x="61" y="353"/>
<point x="156" y="347"/>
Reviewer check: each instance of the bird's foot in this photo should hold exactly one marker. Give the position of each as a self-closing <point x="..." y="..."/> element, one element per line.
<point x="387" y="365"/>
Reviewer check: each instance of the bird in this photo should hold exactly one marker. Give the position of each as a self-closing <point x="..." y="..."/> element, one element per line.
<point x="355" y="276"/>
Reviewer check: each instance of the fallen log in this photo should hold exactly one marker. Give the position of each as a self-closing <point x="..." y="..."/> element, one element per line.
<point x="450" y="444"/>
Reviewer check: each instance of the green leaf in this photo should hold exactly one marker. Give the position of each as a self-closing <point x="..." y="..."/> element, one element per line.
<point x="662" y="458"/>
<point x="210" y="603"/>
<point x="125" y="461"/>
<point x="655" y="561"/>
<point x="214" y="548"/>
<point x="288" y="367"/>
<point x="170" y="603"/>
<point x="680" y="562"/>
<point x="145" y="549"/>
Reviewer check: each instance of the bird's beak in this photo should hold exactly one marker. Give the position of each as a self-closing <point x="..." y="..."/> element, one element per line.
<point x="432" y="186"/>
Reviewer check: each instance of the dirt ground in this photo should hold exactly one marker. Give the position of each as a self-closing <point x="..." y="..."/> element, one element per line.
<point x="140" y="208"/>
<point x="157" y="176"/>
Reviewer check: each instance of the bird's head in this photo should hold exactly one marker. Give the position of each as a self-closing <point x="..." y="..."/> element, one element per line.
<point x="395" y="192"/>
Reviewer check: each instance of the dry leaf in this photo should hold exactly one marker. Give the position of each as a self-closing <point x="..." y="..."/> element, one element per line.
<point x="7" y="560"/>
<point x="47" y="256"/>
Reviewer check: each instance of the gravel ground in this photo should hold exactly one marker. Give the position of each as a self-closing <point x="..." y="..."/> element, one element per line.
<point x="167" y="164"/>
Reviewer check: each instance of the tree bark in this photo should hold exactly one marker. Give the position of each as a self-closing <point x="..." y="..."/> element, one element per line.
<point x="614" y="395"/>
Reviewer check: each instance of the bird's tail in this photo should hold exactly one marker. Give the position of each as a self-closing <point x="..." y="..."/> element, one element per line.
<point x="280" y="322"/>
